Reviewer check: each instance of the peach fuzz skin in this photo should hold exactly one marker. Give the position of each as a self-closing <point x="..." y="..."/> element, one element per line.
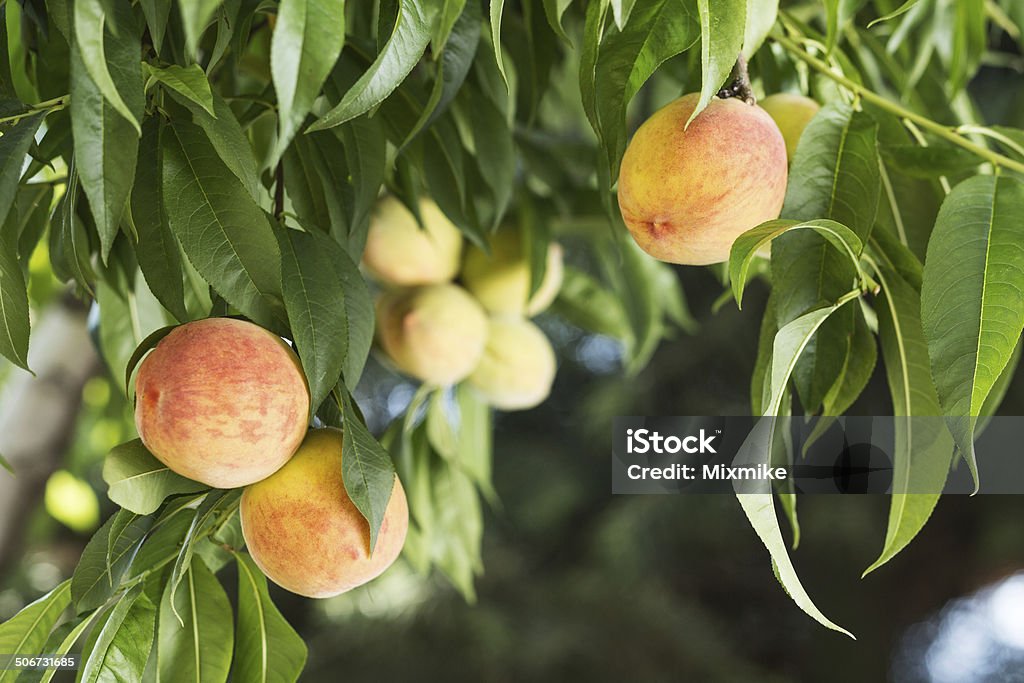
<point x="686" y="195"/>
<point x="303" y="530"/>
<point x="222" y="401"/>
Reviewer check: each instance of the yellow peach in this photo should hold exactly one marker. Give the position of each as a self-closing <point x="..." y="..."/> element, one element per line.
<point x="501" y="280"/>
<point x="434" y="333"/>
<point x="222" y="401"/>
<point x="791" y="114"/>
<point x="304" y="531"/>
<point x="400" y="252"/>
<point x="687" y="193"/>
<point x="518" y="366"/>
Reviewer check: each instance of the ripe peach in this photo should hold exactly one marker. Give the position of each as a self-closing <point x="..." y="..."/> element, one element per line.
<point x="501" y="280"/>
<point x="791" y="113"/>
<point x="307" y="535"/>
<point x="434" y="333"/>
<point x="686" y="194"/>
<point x="518" y="366"/>
<point x="222" y="401"/>
<point x="400" y="252"/>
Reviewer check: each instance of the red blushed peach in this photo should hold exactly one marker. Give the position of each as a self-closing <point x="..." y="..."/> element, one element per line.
<point x="307" y="535"/>
<point x="222" y="401"/>
<point x="687" y="193"/>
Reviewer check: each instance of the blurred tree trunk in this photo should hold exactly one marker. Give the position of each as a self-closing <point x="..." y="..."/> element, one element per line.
<point x="37" y="415"/>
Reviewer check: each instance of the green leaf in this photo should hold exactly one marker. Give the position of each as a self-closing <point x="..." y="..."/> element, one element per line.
<point x="755" y="497"/>
<point x="722" y="28"/>
<point x="14" y="317"/>
<point x="195" y="17"/>
<point x="106" y="139"/>
<point x="453" y="9"/>
<point x="790" y="342"/>
<point x="761" y="16"/>
<point x="366" y="470"/>
<point x="162" y="545"/>
<point x="139" y="482"/>
<point x="923" y="450"/>
<point x="553" y="10"/>
<point x="14" y="146"/>
<point x="316" y="300"/>
<point x="122" y="648"/>
<point x="267" y="648"/>
<point x="126" y="320"/>
<point x="225" y="235"/>
<point x="365" y="150"/>
<point x="26" y="632"/>
<point x="228" y="140"/>
<point x="835" y="170"/>
<point x="307" y="40"/>
<point x="497" y="8"/>
<point x="861" y="357"/>
<point x="929" y="162"/>
<point x="474" y="443"/>
<point x="409" y="38"/>
<point x="158" y="253"/>
<point x="1000" y="389"/>
<point x="835" y="175"/>
<point x="747" y="246"/>
<point x="205" y="516"/>
<point x="588" y="304"/>
<point x="197" y="648"/>
<point x="905" y="7"/>
<point x="157" y="12"/>
<point x="60" y="642"/>
<point x="188" y="81"/>
<point x="452" y="68"/>
<point x="106" y="559"/>
<point x="656" y="32"/>
<point x="495" y="152"/>
<point x="30" y="217"/>
<point x="972" y="297"/>
<point x="90" y="20"/>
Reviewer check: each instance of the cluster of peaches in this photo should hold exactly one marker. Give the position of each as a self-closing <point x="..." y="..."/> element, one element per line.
<point x="225" y="402"/>
<point x="478" y="330"/>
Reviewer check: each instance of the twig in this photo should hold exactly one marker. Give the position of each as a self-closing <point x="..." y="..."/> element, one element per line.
<point x="945" y="132"/>
<point x="739" y="83"/>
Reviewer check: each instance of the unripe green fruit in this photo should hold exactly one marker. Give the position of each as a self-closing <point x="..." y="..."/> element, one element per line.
<point x="687" y="193"/>
<point x="306" y="534"/>
<point x="222" y="401"/>
<point x="518" y="365"/>
<point x="501" y="280"/>
<point x="400" y="252"/>
<point x="434" y="333"/>
<point x="791" y="113"/>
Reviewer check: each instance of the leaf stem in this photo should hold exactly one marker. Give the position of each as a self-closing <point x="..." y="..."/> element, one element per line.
<point x="945" y="132"/>
<point x="56" y="104"/>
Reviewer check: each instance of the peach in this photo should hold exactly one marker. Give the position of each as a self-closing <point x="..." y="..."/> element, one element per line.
<point x="791" y="114"/>
<point x="434" y="333"/>
<point x="400" y="252"/>
<point x="518" y="366"/>
<point x="222" y="401"/>
<point x="307" y="535"/>
<point x="501" y="280"/>
<point x="687" y="193"/>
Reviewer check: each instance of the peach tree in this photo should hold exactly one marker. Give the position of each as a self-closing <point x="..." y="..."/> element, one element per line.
<point x="174" y="161"/>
